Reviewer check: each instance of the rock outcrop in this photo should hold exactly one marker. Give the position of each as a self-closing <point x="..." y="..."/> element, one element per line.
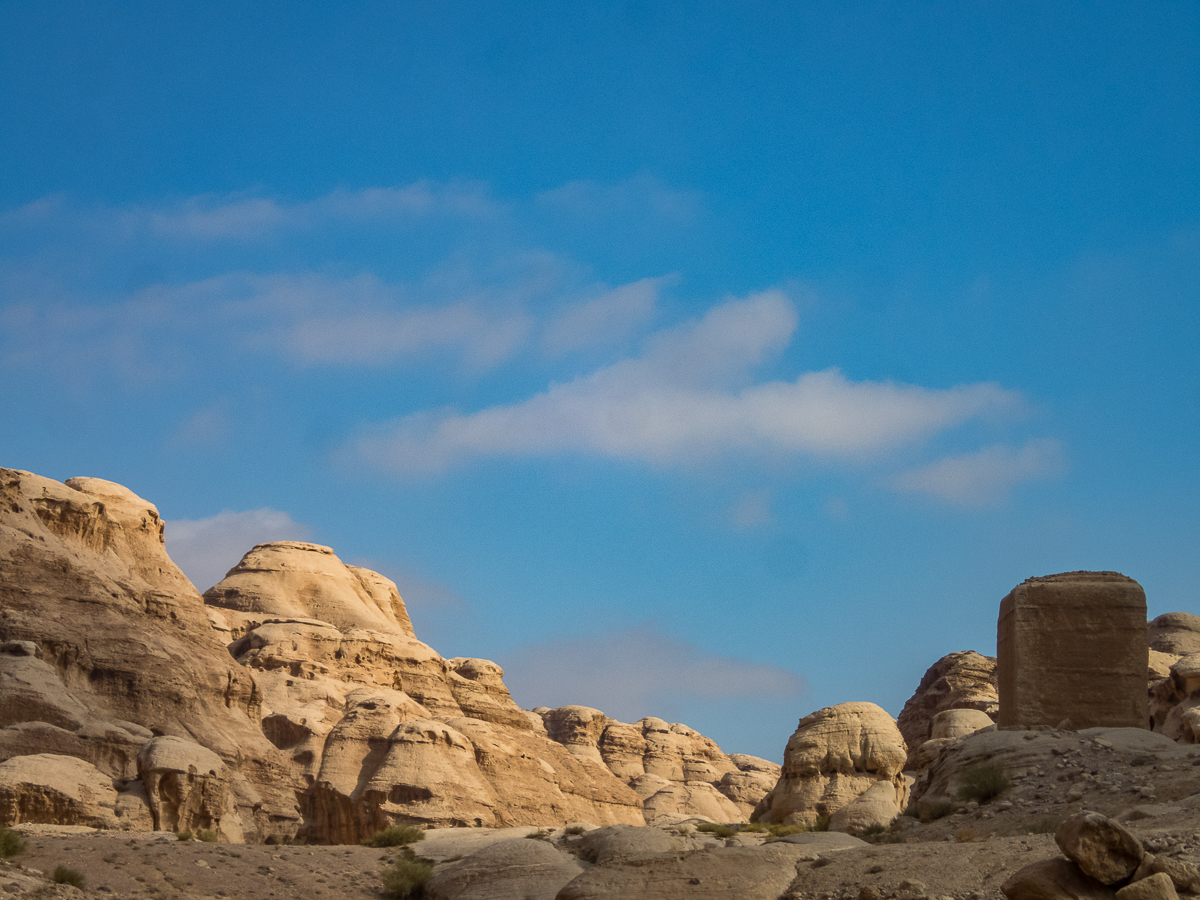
<point x="963" y="680"/>
<point x="836" y="756"/>
<point x="1072" y="648"/>
<point x="105" y="644"/>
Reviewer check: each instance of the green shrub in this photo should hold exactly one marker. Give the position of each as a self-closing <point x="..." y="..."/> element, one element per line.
<point x="983" y="782"/>
<point x="721" y="831"/>
<point x="183" y="835"/>
<point x="406" y="878"/>
<point x="574" y="829"/>
<point x="63" y="875"/>
<point x="208" y="835"/>
<point x="936" y="811"/>
<point x="1141" y="760"/>
<point x="784" y="830"/>
<point x="10" y="842"/>
<point x="1042" y="826"/>
<point x="395" y="836"/>
<point x="754" y="828"/>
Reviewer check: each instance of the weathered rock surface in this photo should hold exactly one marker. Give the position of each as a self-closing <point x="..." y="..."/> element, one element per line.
<point x="1072" y="647"/>
<point x="833" y="758"/>
<point x="1054" y="879"/>
<point x="963" y="680"/>
<point x="106" y="644"/>
<point x="1101" y="847"/>
<point x="1153" y="887"/>
<point x="519" y="869"/>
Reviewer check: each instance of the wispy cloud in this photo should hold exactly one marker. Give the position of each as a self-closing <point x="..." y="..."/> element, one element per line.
<point x="687" y="398"/>
<point x="751" y="510"/>
<point x="633" y="199"/>
<point x="206" y="549"/>
<point x="986" y="476"/>
<point x="636" y="672"/>
<point x="612" y="316"/>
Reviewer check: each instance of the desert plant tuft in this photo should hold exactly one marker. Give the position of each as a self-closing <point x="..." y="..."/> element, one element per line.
<point x="721" y="831"/>
<point x="754" y="828"/>
<point x="983" y="782"/>
<point x="935" y="811"/>
<point x="10" y="842"/>
<point x="395" y="836"/>
<point x="63" y="875"/>
<point x="1042" y="826"/>
<point x="208" y="835"/>
<point x="406" y="878"/>
<point x="574" y="829"/>
<point x="183" y="835"/>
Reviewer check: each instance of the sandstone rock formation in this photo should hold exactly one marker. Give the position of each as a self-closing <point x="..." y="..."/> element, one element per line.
<point x="835" y="756"/>
<point x="1072" y="647"/>
<point x="293" y="697"/>
<point x="104" y="644"/>
<point x="963" y="680"/>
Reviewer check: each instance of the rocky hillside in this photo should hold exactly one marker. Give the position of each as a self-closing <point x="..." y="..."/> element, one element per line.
<point x="293" y="699"/>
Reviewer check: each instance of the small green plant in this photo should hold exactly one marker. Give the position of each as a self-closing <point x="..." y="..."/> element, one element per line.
<point x="983" y="782"/>
<point x="10" y="842"/>
<point x="395" y="836"/>
<point x="820" y="823"/>
<point x="721" y="831"/>
<point x="574" y="829"/>
<point x="208" y="835"/>
<point x="778" y="831"/>
<point x="406" y="878"/>
<point x="1042" y="826"/>
<point x="754" y="828"/>
<point x="539" y="835"/>
<point x="63" y="875"/>
<point x="183" y="835"/>
<point x="1141" y="760"/>
<point x="935" y="811"/>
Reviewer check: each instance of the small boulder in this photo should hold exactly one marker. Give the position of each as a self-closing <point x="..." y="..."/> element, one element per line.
<point x="1157" y="887"/>
<point x="1054" y="879"/>
<point x="1100" y="846"/>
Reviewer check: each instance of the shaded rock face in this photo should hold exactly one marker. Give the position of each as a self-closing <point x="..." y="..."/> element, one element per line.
<point x="963" y="680"/>
<point x="105" y="644"/>
<point x="1174" y="691"/>
<point x="836" y="756"/>
<point x="1073" y="647"/>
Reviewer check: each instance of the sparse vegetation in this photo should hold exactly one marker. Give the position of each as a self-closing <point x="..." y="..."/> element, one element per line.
<point x="539" y="835"/>
<point x="405" y="879"/>
<point x="754" y="828"/>
<point x="63" y="875"/>
<point x="1141" y="760"/>
<point x="721" y="831"/>
<point x="574" y="829"/>
<point x="208" y="835"/>
<point x="1042" y="826"/>
<point x="395" y="836"/>
<point x="983" y="782"/>
<point x="965" y="834"/>
<point x="10" y="842"/>
<point x="684" y="830"/>
<point x="183" y="835"/>
<point x="936" y="811"/>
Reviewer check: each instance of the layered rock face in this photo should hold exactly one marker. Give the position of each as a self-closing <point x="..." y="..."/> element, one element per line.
<point x="1072" y="647"/>
<point x="845" y="762"/>
<point x="1175" y="676"/>
<point x="958" y="681"/>
<point x="105" y="644"/>
<point x="293" y="698"/>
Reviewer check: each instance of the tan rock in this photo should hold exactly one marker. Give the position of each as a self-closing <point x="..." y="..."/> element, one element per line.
<point x="835" y="755"/>
<point x="963" y="680"/>
<point x="1154" y="887"/>
<point x="85" y="577"/>
<point x="1184" y="876"/>
<point x="1073" y="646"/>
<point x="187" y="787"/>
<point x="1100" y="846"/>
<point x="1175" y="633"/>
<point x="1054" y="879"/>
<point x="956" y="723"/>
<point x="51" y="789"/>
<point x="623" y="842"/>
<point x="520" y="869"/>
<point x="875" y="806"/>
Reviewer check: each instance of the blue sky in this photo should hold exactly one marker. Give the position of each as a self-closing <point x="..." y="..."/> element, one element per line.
<point x="716" y="361"/>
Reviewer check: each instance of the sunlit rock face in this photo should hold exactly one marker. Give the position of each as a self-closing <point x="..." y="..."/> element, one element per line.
<point x="964" y="680"/>
<point x="106" y="644"/>
<point x="836" y="756"/>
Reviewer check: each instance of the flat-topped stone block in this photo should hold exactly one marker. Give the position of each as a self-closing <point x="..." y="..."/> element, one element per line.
<point x="1073" y="646"/>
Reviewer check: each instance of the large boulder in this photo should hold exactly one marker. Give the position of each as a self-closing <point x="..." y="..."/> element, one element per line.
<point x="835" y="756"/>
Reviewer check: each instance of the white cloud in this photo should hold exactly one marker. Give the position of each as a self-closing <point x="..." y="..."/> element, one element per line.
<point x="636" y="672"/>
<point x="632" y="199"/>
<point x="206" y="549"/>
<point x="683" y="399"/>
<point x="612" y="316"/>
<point x="986" y="476"/>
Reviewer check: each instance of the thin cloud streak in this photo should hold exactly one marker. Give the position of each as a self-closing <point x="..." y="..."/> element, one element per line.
<point x="206" y="549"/>
<point x="986" y="476"/>
<point x="684" y="400"/>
